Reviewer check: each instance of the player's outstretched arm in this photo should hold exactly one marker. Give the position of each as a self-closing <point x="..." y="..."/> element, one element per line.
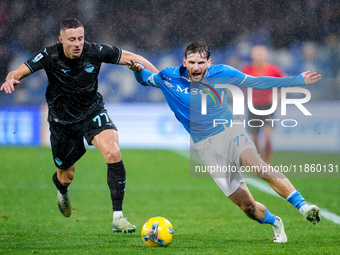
<point x="13" y="78"/>
<point x="310" y="78"/>
<point x="144" y="76"/>
<point x="129" y="58"/>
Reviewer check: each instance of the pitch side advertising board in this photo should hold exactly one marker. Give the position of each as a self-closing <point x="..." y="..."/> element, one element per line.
<point x="153" y="126"/>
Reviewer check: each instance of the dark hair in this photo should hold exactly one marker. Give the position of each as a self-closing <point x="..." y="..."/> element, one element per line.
<point x="198" y="47"/>
<point x="70" y="23"/>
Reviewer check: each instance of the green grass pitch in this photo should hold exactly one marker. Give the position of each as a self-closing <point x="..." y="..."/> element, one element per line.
<point x="158" y="184"/>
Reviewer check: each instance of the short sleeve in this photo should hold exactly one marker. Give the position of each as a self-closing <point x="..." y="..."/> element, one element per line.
<point x="109" y="54"/>
<point x="39" y="61"/>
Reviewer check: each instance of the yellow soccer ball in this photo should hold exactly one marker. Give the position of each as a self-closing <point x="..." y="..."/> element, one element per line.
<point x="157" y="232"/>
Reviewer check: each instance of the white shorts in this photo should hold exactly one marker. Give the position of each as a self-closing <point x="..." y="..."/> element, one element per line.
<point x="221" y="153"/>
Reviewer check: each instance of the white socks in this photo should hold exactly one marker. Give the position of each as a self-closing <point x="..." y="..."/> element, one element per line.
<point x="117" y="214"/>
<point x="277" y="222"/>
<point x="302" y="210"/>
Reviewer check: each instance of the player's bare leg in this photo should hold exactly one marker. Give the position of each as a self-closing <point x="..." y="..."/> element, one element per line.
<point x="243" y="199"/>
<point x="255" y="137"/>
<point x="62" y="179"/>
<point x="257" y="211"/>
<point x="65" y="176"/>
<point x="280" y="183"/>
<point x="267" y="131"/>
<point x="276" y="180"/>
<point x="107" y="144"/>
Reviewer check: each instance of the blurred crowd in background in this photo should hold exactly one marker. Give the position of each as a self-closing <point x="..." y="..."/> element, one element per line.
<point x="300" y="35"/>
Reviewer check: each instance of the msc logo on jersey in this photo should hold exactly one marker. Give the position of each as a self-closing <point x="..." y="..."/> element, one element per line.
<point x="37" y="58"/>
<point x="195" y="89"/>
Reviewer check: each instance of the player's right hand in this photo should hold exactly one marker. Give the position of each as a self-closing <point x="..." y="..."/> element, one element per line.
<point x="8" y="86"/>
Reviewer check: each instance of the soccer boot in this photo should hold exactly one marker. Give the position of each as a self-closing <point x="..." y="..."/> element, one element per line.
<point x="64" y="204"/>
<point x="279" y="231"/>
<point x="120" y="224"/>
<point x="312" y="213"/>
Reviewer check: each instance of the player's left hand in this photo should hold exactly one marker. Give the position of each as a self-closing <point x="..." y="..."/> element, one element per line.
<point x="310" y="78"/>
<point x="135" y="66"/>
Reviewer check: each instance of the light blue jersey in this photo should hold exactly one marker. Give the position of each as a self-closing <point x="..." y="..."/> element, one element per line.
<point x="185" y="98"/>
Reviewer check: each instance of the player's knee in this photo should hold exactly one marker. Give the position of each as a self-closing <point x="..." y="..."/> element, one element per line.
<point x="113" y="155"/>
<point x="66" y="177"/>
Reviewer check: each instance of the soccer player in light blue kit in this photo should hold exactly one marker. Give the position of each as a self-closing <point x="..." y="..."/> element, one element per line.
<point x="225" y="145"/>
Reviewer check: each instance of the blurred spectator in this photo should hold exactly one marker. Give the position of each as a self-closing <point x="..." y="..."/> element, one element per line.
<point x="152" y="27"/>
<point x="262" y="99"/>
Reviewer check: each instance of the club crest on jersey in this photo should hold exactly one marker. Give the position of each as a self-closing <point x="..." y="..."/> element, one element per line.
<point x="37" y="58"/>
<point x="167" y="81"/>
<point x="168" y="84"/>
<point x="89" y="68"/>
